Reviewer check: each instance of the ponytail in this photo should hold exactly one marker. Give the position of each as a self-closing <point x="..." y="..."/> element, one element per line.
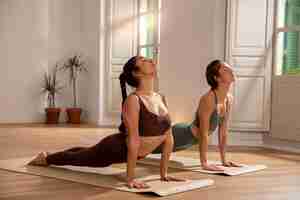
<point x="126" y="77"/>
<point x="122" y="79"/>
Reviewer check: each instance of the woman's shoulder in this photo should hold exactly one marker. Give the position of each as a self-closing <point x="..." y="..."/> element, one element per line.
<point x="131" y="105"/>
<point x="207" y="97"/>
<point x="132" y="99"/>
<point x="207" y="101"/>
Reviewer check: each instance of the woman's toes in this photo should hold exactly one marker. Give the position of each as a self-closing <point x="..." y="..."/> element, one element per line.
<point x="39" y="160"/>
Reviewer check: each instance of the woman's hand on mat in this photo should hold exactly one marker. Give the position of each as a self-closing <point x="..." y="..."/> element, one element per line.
<point x="170" y="178"/>
<point x="230" y="164"/>
<point x="137" y="184"/>
<point x="212" y="167"/>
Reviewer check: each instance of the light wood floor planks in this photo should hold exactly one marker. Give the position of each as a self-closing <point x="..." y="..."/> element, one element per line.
<point x="280" y="181"/>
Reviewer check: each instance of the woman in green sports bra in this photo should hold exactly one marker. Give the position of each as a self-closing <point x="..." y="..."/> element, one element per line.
<point x="212" y="112"/>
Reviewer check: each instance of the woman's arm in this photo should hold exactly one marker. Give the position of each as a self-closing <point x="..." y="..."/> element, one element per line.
<point x="166" y="152"/>
<point x="223" y="132"/>
<point x="167" y="149"/>
<point x="222" y="136"/>
<point x="204" y="112"/>
<point x="206" y="108"/>
<point x="130" y="115"/>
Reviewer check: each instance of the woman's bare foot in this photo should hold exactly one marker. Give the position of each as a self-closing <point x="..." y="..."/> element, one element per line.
<point x="40" y="159"/>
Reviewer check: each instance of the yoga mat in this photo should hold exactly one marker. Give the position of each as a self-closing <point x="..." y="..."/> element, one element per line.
<point x="109" y="177"/>
<point x="191" y="164"/>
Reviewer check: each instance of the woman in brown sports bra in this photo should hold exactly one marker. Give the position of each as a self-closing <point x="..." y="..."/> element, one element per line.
<point x="145" y="126"/>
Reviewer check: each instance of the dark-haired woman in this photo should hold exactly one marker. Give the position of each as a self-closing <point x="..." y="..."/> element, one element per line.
<point x="212" y="112"/>
<point x="145" y="126"/>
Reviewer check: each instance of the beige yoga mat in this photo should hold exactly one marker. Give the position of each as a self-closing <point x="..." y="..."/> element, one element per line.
<point x="109" y="177"/>
<point x="192" y="164"/>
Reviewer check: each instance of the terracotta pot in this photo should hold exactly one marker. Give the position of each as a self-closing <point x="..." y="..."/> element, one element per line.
<point x="74" y="115"/>
<point x="52" y="115"/>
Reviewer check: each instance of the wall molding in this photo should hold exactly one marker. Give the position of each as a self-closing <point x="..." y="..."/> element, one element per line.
<point x="283" y="145"/>
<point x="239" y="138"/>
<point x="258" y="139"/>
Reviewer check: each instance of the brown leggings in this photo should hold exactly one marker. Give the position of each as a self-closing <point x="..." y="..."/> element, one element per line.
<point x="112" y="149"/>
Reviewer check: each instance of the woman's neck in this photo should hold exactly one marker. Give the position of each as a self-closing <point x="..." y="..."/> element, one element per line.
<point x="146" y="87"/>
<point x="222" y="92"/>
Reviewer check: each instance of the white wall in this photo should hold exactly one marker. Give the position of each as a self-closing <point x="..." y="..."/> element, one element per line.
<point x="285" y="102"/>
<point x="190" y="39"/>
<point x="34" y="34"/>
<point x="23" y="54"/>
<point x="89" y="86"/>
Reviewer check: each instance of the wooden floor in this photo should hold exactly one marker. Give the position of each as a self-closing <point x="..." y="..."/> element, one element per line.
<point x="280" y="181"/>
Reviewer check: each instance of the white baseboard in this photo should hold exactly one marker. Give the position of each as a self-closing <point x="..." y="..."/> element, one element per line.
<point x="278" y="144"/>
<point x="241" y="139"/>
<point x="109" y="121"/>
<point x="258" y="139"/>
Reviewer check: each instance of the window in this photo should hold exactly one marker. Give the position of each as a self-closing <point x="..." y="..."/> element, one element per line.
<point x="149" y="28"/>
<point x="287" y="51"/>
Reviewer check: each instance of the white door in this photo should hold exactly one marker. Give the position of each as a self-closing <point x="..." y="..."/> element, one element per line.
<point x="248" y="50"/>
<point x="131" y="28"/>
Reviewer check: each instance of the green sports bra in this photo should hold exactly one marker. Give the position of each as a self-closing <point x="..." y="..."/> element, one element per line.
<point x="215" y="118"/>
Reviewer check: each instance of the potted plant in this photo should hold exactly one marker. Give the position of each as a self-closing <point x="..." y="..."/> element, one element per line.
<point x="74" y="65"/>
<point x="51" y="88"/>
